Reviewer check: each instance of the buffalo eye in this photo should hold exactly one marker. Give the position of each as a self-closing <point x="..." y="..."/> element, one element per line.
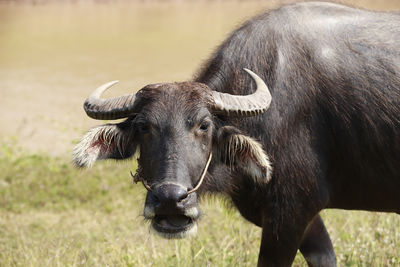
<point x="204" y="126"/>
<point x="143" y="128"/>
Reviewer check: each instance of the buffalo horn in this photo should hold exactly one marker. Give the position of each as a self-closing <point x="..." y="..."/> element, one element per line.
<point x="111" y="108"/>
<point x="243" y="105"/>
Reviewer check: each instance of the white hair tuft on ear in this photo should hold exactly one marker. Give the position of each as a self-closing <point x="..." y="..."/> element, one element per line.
<point x="98" y="143"/>
<point x="244" y="153"/>
<point x="250" y="157"/>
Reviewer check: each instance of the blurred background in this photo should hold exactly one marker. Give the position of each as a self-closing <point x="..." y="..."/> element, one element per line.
<point x="52" y="55"/>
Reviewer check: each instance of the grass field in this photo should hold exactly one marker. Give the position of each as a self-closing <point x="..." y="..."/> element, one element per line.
<point x="52" y="214"/>
<point x="52" y="55"/>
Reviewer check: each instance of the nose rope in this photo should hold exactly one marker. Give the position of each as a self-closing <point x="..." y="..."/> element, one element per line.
<point x="202" y="176"/>
<point x="137" y="178"/>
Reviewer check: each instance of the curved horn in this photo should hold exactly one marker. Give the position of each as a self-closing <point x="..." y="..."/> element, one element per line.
<point x="243" y="105"/>
<point x="111" y="108"/>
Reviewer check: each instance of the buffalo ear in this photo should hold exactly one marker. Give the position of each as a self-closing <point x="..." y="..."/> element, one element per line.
<point x="243" y="153"/>
<point x="110" y="141"/>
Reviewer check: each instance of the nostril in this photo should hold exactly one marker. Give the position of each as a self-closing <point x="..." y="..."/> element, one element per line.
<point x="154" y="198"/>
<point x="183" y="197"/>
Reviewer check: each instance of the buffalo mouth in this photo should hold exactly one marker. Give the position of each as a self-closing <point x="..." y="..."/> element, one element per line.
<point x="173" y="226"/>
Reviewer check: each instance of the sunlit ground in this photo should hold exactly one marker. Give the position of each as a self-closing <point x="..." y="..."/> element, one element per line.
<point x="52" y="56"/>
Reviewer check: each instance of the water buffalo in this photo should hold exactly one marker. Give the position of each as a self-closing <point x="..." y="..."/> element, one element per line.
<point x="317" y="125"/>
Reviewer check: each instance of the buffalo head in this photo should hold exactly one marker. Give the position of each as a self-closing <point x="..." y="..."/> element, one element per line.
<point x="173" y="126"/>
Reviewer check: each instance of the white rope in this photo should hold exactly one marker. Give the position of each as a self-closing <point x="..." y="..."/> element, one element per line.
<point x="202" y="176"/>
<point x="136" y="178"/>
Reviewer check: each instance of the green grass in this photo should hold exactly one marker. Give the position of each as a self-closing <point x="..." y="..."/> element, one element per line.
<point x="52" y="214"/>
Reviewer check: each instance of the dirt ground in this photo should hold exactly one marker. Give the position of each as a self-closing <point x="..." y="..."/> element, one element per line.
<point x="53" y="55"/>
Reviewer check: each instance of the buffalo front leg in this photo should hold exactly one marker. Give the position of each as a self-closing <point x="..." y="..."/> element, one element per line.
<point x="316" y="245"/>
<point x="279" y="244"/>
